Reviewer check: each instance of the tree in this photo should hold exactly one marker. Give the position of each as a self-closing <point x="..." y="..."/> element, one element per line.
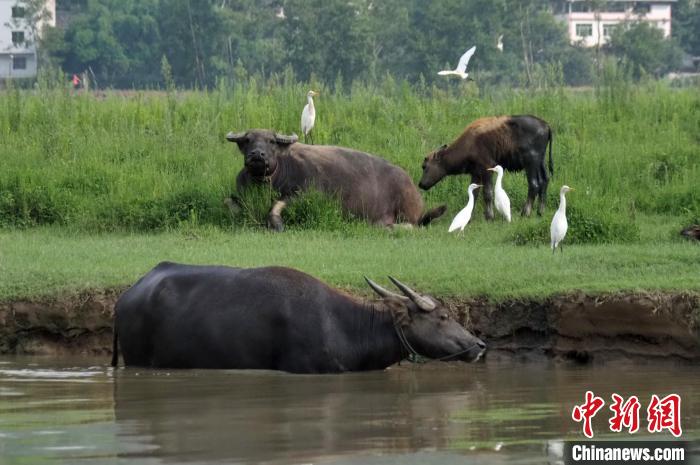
<point x="686" y="25"/>
<point x="644" y="48"/>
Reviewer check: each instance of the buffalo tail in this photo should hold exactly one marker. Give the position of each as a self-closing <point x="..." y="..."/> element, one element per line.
<point x="431" y="215"/>
<point x="551" y="163"/>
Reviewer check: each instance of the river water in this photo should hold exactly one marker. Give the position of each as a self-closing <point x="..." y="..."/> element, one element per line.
<point x="80" y="411"/>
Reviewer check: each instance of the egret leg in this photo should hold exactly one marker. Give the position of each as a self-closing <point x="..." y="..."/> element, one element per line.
<point x="311" y="138"/>
<point x="561" y="248"/>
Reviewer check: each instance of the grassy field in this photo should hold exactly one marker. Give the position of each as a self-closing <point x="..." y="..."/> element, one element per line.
<point x="45" y="261"/>
<point x="95" y="190"/>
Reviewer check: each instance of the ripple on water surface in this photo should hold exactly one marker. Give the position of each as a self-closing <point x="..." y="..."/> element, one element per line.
<point x="79" y="411"/>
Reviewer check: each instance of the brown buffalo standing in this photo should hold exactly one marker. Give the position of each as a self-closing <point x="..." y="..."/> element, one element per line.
<point x="369" y="187"/>
<point x="514" y="142"/>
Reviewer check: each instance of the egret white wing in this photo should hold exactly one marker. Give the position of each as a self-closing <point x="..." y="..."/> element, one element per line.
<point x="464" y="60"/>
<point x="558" y="227"/>
<point x="306" y="120"/>
<point x="462" y="218"/>
<point x="503" y="203"/>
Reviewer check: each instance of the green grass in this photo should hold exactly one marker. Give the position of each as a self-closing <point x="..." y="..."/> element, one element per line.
<point x="95" y="190"/>
<point x="45" y="261"/>
<point x="155" y="161"/>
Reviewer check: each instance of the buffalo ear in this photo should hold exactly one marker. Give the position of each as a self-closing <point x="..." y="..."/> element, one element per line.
<point x="399" y="311"/>
<point x="286" y="140"/>
<point x="236" y="137"/>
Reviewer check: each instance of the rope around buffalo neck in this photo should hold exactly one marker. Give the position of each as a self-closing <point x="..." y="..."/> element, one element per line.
<point x="415" y="357"/>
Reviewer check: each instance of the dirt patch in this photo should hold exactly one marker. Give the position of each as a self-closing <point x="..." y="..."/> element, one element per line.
<point x="580" y="327"/>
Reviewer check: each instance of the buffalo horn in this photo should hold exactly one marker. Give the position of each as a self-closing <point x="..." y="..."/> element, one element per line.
<point x="235" y="137"/>
<point x="283" y="139"/>
<point x="380" y="290"/>
<point x="422" y="302"/>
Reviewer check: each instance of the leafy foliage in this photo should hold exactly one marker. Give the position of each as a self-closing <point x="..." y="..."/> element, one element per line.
<point x="336" y="41"/>
<point x="644" y="48"/>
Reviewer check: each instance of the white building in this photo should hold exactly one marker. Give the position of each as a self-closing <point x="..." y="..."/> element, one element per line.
<point x="17" y="41"/>
<point x="592" y="27"/>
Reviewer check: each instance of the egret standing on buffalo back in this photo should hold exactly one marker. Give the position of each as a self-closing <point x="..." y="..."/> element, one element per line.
<point x="308" y="116"/>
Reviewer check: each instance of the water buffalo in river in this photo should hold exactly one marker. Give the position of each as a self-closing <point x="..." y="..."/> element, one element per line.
<point x="180" y="316"/>
<point x="514" y="142"/>
<point x="369" y="187"/>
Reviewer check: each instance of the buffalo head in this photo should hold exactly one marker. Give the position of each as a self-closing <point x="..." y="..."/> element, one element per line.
<point x="260" y="148"/>
<point x="427" y="327"/>
<point x="433" y="169"/>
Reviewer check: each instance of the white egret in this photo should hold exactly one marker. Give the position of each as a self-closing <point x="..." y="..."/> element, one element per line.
<point x="465" y="214"/>
<point x="461" y="69"/>
<point x="499" y="43"/>
<point x="559" y="223"/>
<point x="500" y="197"/>
<point x="308" y="115"/>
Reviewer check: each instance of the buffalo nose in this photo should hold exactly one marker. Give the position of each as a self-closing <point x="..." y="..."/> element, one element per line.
<point x="481" y="345"/>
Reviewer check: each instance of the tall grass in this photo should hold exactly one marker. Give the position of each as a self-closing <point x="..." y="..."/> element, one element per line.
<point x="150" y="161"/>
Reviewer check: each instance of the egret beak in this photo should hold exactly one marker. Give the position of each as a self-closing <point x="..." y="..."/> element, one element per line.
<point x="490" y="169"/>
<point x="315" y="93"/>
<point x="571" y="189"/>
<point x="479" y="185"/>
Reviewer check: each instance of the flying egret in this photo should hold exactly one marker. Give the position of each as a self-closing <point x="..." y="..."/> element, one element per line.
<point x="499" y="43"/>
<point x="501" y="198"/>
<point x="461" y="69"/>
<point x="463" y="217"/>
<point x="559" y="223"/>
<point x="308" y="115"/>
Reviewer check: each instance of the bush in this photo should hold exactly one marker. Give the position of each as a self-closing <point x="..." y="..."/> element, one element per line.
<point x="309" y="210"/>
<point x="585" y="227"/>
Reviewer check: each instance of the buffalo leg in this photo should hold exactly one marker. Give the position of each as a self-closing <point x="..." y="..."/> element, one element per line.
<point x="488" y="197"/>
<point x="233" y="203"/>
<point x="274" y="219"/>
<point x="533" y="188"/>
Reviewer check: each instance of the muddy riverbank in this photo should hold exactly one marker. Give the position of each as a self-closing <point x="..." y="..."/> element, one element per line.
<point x="584" y="328"/>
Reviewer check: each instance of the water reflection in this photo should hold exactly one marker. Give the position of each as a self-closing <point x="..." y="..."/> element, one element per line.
<point x="437" y="413"/>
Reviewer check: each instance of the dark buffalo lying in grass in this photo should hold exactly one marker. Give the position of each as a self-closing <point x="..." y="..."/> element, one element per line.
<point x="514" y="142"/>
<point x="692" y="232"/>
<point x="180" y="316"/>
<point x="369" y="187"/>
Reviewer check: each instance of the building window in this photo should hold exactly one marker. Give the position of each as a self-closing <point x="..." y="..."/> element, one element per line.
<point x="584" y="30"/>
<point x="19" y="62"/>
<point x="17" y="37"/>
<point x="580" y="7"/>
<point x="616" y="7"/>
<point x="642" y="9"/>
<point x="608" y="30"/>
<point x="18" y="12"/>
